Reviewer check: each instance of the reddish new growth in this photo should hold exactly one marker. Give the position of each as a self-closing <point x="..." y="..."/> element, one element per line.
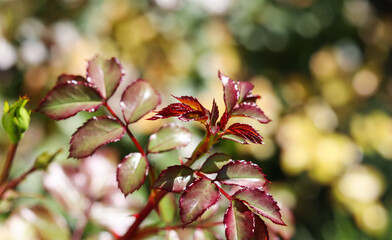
<point x="239" y="102"/>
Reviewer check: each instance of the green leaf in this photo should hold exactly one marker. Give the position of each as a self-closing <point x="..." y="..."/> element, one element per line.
<point x="215" y="162"/>
<point x="169" y="137"/>
<point x="68" y="98"/>
<point x="235" y="138"/>
<point x="261" y="203"/>
<point x="93" y="134"/>
<point x="131" y="172"/>
<point x="139" y="99"/>
<point x="105" y="75"/>
<point x="167" y="208"/>
<point x="242" y="173"/>
<point x="197" y="198"/>
<point x="174" y="179"/>
<point x="238" y="221"/>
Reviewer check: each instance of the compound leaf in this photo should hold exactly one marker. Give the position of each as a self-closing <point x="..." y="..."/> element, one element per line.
<point x="242" y="173"/>
<point x="197" y="198"/>
<point x="105" y="75"/>
<point x="174" y="179"/>
<point x="68" y="98"/>
<point x="139" y="99"/>
<point x="261" y="203"/>
<point x="94" y="133"/>
<point x="131" y="172"/>
<point x="238" y="221"/>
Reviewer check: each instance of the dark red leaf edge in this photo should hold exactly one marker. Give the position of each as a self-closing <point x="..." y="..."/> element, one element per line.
<point x="94" y="119"/>
<point x="260" y="229"/>
<point x="187" y="190"/>
<point x="68" y="83"/>
<point x="130" y="85"/>
<point x="256" y="108"/>
<point x="245" y="131"/>
<point x="172" y="110"/>
<point x="214" y="115"/>
<point x="170" y="125"/>
<point x="226" y="216"/>
<point x="117" y="61"/>
<point x="142" y="182"/>
<point x="242" y="162"/>
<point x="256" y="211"/>
<point x="163" y="172"/>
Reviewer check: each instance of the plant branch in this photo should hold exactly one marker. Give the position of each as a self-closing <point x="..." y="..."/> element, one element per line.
<point x="8" y="162"/>
<point x="15" y="182"/>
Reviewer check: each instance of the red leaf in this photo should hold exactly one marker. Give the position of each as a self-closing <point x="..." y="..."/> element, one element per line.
<point x="242" y="173"/>
<point x="250" y="110"/>
<point x="131" y="172"/>
<point x="261" y="203"/>
<point x="245" y="131"/>
<point x="245" y="89"/>
<point x="174" y="179"/>
<point x="68" y="98"/>
<point x="251" y="98"/>
<point x="95" y="133"/>
<point x="231" y="92"/>
<point x="67" y="77"/>
<point x="197" y="198"/>
<point x="238" y="221"/>
<point x="172" y="110"/>
<point x="191" y="102"/>
<point x="223" y="121"/>
<point x="260" y="231"/>
<point x="106" y="75"/>
<point x="194" y="116"/>
<point x="214" y="113"/>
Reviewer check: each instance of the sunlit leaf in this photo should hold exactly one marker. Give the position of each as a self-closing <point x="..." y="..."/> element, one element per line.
<point x="105" y="74"/>
<point x="214" y="113"/>
<point x="215" y="162"/>
<point x="242" y="173"/>
<point x="131" y="172"/>
<point x="172" y="110"/>
<point x="191" y="102"/>
<point x="251" y="110"/>
<point x="174" y="179"/>
<point x="231" y="91"/>
<point x="245" y="88"/>
<point x="169" y="137"/>
<point x="197" y="198"/>
<point x="138" y="99"/>
<point x="68" y="77"/>
<point x="262" y="203"/>
<point x="94" y="133"/>
<point x="238" y="221"/>
<point x="260" y="231"/>
<point x="246" y="132"/>
<point x="68" y="98"/>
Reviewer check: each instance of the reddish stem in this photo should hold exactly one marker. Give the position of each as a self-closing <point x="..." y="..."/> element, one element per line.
<point x="134" y="140"/>
<point x="8" y="162"/>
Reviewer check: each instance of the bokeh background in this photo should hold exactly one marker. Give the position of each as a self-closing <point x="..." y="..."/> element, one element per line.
<point x="323" y="68"/>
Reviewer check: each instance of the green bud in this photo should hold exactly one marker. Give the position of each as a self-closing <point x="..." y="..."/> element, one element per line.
<point x="16" y="119"/>
<point x="42" y="161"/>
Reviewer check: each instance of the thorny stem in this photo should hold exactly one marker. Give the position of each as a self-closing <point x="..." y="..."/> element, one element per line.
<point x="156" y="196"/>
<point x="148" y="231"/>
<point x="15" y="182"/>
<point x="8" y="162"/>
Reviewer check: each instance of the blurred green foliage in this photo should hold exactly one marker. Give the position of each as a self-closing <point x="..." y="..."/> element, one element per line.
<point x="323" y="69"/>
